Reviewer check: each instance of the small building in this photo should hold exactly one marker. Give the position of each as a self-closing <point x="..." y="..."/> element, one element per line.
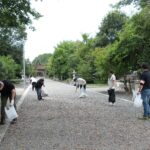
<point x="40" y="70"/>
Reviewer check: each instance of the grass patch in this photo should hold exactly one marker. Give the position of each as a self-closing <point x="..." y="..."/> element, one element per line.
<point x="96" y="85"/>
<point x="16" y="81"/>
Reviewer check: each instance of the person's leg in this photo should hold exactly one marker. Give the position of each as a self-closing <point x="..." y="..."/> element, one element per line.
<point x="145" y="97"/>
<point x="80" y="86"/>
<point x="84" y="88"/>
<point x="38" y="90"/>
<point x="3" y="105"/>
<point x="33" y="85"/>
<point x="113" y="96"/>
<point x="109" y="95"/>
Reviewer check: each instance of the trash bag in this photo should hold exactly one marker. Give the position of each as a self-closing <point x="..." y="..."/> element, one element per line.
<point x="138" y="100"/>
<point x="11" y="113"/>
<point x="83" y="93"/>
<point x="43" y="92"/>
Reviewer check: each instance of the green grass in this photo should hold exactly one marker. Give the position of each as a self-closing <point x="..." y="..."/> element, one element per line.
<point x="96" y="85"/>
<point x="16" y="81"/>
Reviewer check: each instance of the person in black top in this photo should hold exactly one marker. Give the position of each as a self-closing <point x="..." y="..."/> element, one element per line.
<point x="7" y="90"/>
<point x="38" y="87"/>
<point x="144" y="89"/>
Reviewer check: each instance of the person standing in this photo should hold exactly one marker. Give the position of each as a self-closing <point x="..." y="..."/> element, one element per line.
<point x="38" y="87"/>
<point x="7" y="90"/>
<point x="111" y="90"/>
<point x="144" y="90"/>
<point x="33" y="82"/>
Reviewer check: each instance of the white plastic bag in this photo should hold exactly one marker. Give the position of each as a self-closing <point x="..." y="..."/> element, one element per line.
<point x="138" y="100"/>
<point x="134" y="93"/>
<point x="83" y="93"/>
<point x="44" y="92"/>
<point x="11" y="113"/>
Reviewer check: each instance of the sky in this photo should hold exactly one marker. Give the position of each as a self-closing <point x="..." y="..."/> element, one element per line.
<point x="64" y="20"/>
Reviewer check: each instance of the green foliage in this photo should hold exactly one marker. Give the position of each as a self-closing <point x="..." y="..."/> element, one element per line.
<point x="41" y="59"/>
<point x="8" y="67"/>
<point x="16" y="12"/>
<point x="61" y="62"/>
<point x="110" y="27"/>
<point x="136" y="3"/>
<point x="15" y="16"/>
<point x="121" y="45"/>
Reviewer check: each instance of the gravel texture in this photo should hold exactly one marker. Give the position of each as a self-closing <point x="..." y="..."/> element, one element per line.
<point x="63" y="121"/>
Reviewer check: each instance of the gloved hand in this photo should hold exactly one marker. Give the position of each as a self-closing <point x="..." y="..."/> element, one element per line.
<point x="12" y="102"/>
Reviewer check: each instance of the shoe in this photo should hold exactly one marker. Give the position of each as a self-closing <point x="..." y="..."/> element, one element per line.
<point x="14" y="121"/>
<point x="113" y="104"/>
<point x="110" y="103"/>
<point x="40" y="99"/>
<point x="143" y="118"/>
<point x="2" y="122"/>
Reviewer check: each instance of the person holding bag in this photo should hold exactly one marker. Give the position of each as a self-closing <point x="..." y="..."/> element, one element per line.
<point x="144" y="90"/>
<point x="7" y="91"/>
<point x="111" y="90"/>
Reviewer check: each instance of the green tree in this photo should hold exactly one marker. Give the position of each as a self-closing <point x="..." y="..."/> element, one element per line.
<point x="41" y="59"/>
<point x="8" y="67"/>
<point x="16" y="12"/>
<point x="110" y="27"/>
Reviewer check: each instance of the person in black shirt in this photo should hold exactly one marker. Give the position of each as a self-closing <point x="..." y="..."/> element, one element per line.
<point x="38" y="87"/>
<point x="7" y="90"/>
<point x="144" y="89"/>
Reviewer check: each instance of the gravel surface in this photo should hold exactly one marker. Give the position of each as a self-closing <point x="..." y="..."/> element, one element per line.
<point x="63" y="121"/>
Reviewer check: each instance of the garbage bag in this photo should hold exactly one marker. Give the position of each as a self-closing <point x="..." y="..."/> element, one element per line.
<point x="11" y="113"/>
<point x="138" y="100"/>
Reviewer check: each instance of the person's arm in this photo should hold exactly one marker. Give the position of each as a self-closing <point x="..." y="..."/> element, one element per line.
<point x="140" y="86"/>
<point x="13" y="95"/>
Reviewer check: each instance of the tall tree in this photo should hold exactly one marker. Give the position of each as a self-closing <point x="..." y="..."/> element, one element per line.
<point x="110" y="27"/>
<point x="16" y="12"/>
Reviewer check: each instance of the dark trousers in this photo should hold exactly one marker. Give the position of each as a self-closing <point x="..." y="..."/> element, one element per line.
<point x="3" y="105"/>
<point x="33" y="85"/>
<point x="39" y="92"/>
<point x="112" y="96"/>
<point x="84" y="86"/>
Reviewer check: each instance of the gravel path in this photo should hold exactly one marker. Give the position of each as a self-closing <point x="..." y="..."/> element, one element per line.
<point x="63" y="121"/>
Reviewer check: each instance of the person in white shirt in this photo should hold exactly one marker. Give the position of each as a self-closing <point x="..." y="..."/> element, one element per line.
<point x="33" y="82"/>
<point x="111" y="90"/>
<point x="80" y="83"/>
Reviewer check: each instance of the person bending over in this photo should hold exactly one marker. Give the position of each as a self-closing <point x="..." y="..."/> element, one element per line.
<point x="80" y="83"/>
<point x="7" y="90"/>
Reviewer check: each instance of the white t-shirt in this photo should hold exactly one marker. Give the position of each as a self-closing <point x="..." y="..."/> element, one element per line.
<point x="112" y="81"/>
<point x="33" y="79"/>
<point x="80" y="81"/>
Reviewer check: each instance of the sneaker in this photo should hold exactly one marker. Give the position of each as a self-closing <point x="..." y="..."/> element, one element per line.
<point x="113" y="104"/>
<point x="143" y="118"/>
<point x="2" y="122"/>
<point x="110" y="103"/>
<point x="14" y="121"/>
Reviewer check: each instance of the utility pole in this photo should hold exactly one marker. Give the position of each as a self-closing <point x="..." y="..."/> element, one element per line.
<point x="24" y="70"/>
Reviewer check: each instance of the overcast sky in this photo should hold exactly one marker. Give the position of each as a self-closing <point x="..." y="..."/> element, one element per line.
<point x="64" y="20"/>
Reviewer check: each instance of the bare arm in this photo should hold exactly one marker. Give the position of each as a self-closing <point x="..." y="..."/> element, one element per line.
<point x="13" y="94"/>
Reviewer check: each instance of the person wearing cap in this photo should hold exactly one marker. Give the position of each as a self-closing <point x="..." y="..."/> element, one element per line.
<point x="144" y="90"/>
<point x="7" y="90"/>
